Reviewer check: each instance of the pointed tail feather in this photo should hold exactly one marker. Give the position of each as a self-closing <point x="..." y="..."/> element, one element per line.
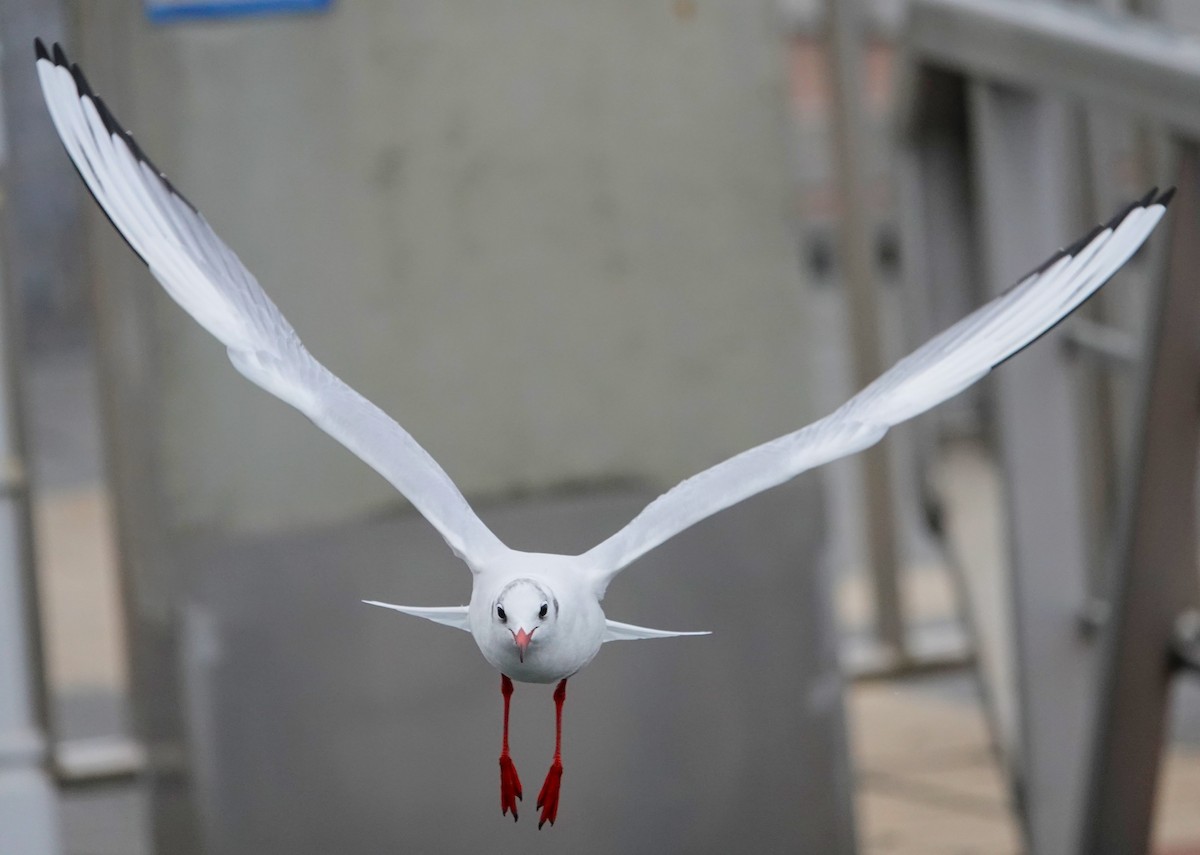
<point x="628" y="632"/>
<point x="455" y="616"/>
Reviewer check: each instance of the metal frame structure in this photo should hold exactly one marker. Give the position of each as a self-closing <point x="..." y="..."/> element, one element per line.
<point x="28" y="806"/>
<point x="44" y="244"/>
<point x="1156" y="582"/>
<point x="1086" y="731"/>
<point x="895" y="646"/>
<point x="28" y="803"/>
<point x="857" y="251"/>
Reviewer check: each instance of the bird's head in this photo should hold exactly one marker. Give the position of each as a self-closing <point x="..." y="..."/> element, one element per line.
<point x="526" y="611"/>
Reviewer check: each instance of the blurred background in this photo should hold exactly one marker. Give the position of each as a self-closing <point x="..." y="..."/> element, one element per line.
<point x="582" y="250"/>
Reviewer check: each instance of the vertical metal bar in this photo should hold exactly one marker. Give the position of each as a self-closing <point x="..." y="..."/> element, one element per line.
<point x="41" y="232"/>
<point x="28" y="806"/>
<point x="939" y="248"/>
<point x="845" y="54"/>
<point x="1020" y="138"/>
<point x="1155" y="579"/>
<point x="28" y="810"/>
<point x="127" y="366"/>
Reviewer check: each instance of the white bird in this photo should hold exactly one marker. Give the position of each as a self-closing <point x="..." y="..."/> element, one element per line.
<point x="536" y="617"/>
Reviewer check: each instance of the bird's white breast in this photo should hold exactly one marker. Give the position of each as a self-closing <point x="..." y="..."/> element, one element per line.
<point x="557" y="650"/>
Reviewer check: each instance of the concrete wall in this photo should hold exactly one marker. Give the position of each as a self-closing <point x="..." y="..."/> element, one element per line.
<point x="553" y="239"/>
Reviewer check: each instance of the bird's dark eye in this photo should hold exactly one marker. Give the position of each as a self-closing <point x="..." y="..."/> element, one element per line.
<point x="542" y="611"/>
<point x="500" y="614"/>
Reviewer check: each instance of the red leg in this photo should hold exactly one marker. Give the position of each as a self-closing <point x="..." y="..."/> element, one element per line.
<point x="510" y="784"/>
<point x="547" y="799"/>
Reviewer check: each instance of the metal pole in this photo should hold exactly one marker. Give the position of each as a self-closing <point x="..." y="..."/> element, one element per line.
<point x="1155" y="581"/>
<point x="1021" y="156"/>
<point x="128" y="382"/>
<point x="844" y="49"/>
<point x="28" y="806"/>
<point x="939" y="250"/>
<point x="28" y="810"/>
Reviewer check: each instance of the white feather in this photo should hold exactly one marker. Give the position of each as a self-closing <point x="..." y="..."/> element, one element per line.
<point x="938" y="370"/>
<point x="455" y="616"/>
<point x="209" y="282"/>
<point x="617" y="631"/>
<point x="205" y="277"/>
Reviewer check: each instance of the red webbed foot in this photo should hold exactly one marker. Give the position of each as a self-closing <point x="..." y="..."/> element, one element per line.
<point x="547" y="798"/>
<point x="510" y="787"/>
<point x="510" y="784"/>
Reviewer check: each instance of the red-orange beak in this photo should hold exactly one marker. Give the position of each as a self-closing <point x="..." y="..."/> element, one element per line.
<point x="522" y="639"/>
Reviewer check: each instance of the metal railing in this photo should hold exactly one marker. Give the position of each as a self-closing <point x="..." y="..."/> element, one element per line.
<point x="995" y="99"/>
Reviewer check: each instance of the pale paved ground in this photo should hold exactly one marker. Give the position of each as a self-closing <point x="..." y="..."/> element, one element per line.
<point x="85" y="647"/>
<point x="927" y="782"/>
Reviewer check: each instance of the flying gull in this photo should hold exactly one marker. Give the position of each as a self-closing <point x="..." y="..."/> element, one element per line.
<point x="536" y="617"/>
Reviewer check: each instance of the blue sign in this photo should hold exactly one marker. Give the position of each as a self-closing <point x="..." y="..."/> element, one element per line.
<point x="167" y="11"/>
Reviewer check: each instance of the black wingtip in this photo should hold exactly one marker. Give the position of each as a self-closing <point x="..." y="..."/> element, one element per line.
<point x="59" y="57"/>
<point x="1075" y="248"/>
<point x="1065" y="252"/>
<point x="1044" y="266"/>
<point x="114" y="127"/>
<point x="1078" y="246"/>
<point x="1119" y="217"/>
<point x="1166" y="197"/>
<point x="110" y="121"/>
<point x="81" y="83"/>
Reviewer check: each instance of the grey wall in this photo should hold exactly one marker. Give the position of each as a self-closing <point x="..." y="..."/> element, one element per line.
<point x="553" y="239"/>
<point x="326" y="726"/>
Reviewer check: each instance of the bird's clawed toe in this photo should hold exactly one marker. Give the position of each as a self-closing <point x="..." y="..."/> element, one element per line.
<point x="547" y="798"/>
<point x="510" y="787"/>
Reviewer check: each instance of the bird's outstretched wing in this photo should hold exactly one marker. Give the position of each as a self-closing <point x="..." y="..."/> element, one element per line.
<point x="204" y="277"/>
<point x="939" y="369"/>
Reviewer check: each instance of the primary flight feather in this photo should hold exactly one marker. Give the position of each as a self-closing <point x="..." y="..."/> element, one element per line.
<point x="536" y="617"/>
